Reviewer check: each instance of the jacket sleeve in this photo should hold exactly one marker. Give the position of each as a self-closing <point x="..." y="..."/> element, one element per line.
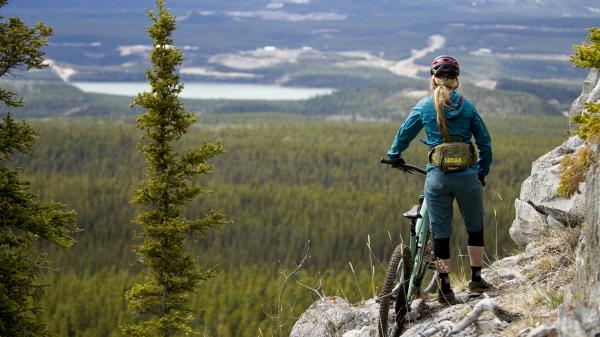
<point x="484" y="143"/>
<point x="407" y="132"/>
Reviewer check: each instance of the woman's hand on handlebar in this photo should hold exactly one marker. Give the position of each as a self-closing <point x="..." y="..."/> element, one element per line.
<point x="396" y="162"/>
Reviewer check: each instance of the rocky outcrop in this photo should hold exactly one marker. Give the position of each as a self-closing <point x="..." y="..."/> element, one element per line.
<point x="587" y="279"/>
<point x="581" y="319"/>
<point x="333" y="316"/>
<point x="539" y="210"/>
<point x="589" y="93"/>
<point x="580" y="315"/>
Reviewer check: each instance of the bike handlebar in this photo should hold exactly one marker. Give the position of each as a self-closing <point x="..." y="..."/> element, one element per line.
<point x="408" y="168"/>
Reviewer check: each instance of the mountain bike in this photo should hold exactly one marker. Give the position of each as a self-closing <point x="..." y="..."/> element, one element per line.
<point x="407" y="266"/>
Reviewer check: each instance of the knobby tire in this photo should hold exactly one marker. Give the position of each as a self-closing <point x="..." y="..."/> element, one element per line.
<point x="400" y="255"/>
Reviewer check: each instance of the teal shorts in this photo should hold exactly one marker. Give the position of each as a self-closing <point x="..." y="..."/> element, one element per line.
<point x="441" y="190"/>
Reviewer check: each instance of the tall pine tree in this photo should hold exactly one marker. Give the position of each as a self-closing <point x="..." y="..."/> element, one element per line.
<point x="161" y="305"/>
<point x="23" y="219"/>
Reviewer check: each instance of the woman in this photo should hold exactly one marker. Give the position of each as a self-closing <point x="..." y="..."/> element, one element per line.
<point x="450" y="121"/>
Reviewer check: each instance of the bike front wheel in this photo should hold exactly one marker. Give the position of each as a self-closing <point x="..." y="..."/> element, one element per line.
<point x="395" y="287"/>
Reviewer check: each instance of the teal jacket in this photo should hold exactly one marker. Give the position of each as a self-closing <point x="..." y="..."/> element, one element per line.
<point x="463" y="123"/>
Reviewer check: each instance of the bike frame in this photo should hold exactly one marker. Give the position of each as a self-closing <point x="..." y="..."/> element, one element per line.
<point x="417" y="246"/>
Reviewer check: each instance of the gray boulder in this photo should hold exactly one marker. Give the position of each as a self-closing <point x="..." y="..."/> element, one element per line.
<point x="540" y="187"/>
<point x="578" y="320"/>
<point x="539" y="210"/>
<point x="333" y="316"/>
<point x="530" y="225"/>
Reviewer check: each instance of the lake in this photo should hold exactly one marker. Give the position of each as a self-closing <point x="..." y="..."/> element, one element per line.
<point x="208" y="90"/>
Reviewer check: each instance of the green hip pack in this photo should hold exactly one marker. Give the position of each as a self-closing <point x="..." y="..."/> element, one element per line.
<point x="453" y="156"/>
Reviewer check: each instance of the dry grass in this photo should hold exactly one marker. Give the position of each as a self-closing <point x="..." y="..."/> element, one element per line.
<point x="547" y="278"/>
<point x="460" y="279"/>
<point x="575" y="167"/>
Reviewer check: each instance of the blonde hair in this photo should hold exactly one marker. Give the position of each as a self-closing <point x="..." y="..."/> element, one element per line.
<point x="442" y="87"/>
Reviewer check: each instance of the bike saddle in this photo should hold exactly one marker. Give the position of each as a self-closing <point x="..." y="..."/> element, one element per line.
<point x="413" y="213"/>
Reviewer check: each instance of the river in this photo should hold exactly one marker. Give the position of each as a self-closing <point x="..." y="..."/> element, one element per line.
<point x="210" y="90"/>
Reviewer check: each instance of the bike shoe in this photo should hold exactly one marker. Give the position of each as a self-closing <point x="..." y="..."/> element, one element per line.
<point x="479" y="287"/>
<point x="447" y="298"/>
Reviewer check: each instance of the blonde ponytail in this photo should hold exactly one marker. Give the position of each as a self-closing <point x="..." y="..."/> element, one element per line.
<point x="442" y="87"/>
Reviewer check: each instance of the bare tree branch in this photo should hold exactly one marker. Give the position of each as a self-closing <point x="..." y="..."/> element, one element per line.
<point x="448" y="328"/>
<point x="282" y="315"/>
<point x="318" y="290"/>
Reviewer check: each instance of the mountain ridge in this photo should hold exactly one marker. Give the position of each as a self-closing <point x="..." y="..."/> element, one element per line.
<point x="491" y="39"/>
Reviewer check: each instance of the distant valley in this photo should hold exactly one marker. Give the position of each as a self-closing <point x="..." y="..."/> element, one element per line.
<point x="317" y="43"/>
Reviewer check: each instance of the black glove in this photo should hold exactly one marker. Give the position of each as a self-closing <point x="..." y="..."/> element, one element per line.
<point x="482" y="179"/>
<point x="397" y="162"/>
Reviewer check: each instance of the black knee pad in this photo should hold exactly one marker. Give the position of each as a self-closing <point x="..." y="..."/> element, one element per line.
<point x="441" y="248"/>
<point x="476" y="238"/>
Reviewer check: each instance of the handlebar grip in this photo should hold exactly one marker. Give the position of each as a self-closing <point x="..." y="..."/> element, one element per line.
<point x="404" y="167"/>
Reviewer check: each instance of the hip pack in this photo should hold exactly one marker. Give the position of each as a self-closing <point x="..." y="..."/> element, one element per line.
<point x="453" y="156"/>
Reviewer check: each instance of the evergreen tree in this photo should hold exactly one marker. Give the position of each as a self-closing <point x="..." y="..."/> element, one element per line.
<point x="23" y="219"/>
<point x="161" y="304"/>
<point x="587" y="55"/>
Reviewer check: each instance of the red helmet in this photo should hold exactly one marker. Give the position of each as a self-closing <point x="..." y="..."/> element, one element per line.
<point x="445" y="67"/>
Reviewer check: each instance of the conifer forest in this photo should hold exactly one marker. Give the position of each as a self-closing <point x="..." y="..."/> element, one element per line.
<point x="288" y="188"/>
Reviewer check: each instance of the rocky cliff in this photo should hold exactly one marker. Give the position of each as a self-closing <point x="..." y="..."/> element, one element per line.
<point x="580" y="314"/>
<point x="553" y="285"/>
